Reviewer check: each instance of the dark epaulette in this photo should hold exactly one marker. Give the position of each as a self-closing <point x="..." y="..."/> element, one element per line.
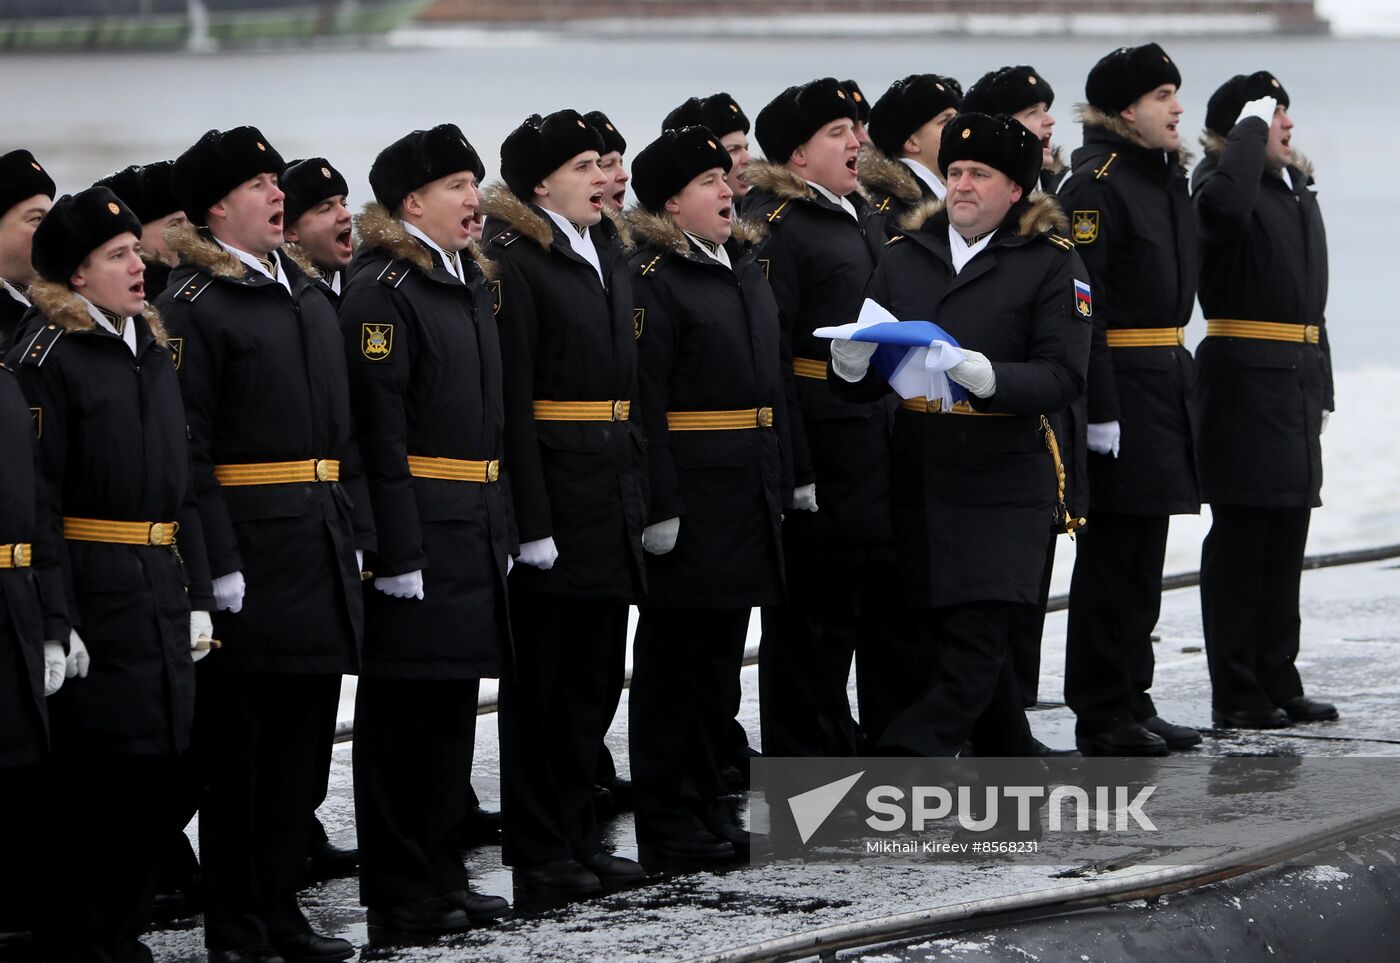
<point x="39" y="346"/>
<point x="506" y="238"/>
<point x="194" y="287"/>
<point x="1102" y="172"/>
<point x="393" y="274"/>
<point x="651" y="265"/>
<point x="1060" y="242"/>
<point x="894" y="240"/>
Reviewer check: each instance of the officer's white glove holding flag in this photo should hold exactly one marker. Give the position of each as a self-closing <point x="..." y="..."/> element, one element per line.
<point x="975" y="374"/>
<point x="851" y="359"/>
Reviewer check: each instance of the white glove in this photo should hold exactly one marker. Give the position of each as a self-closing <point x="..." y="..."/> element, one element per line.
<point x="228" y="592"/>
<point x="360" y="559"/>
<point x="55" y="667"/>
<point x="1104" y="437"/>
<point x="201" y="627"/>
<point x="1325" y="415"/>
<point x="1263" y="108"/>
<point x="78" y="661"/>
<point x="540" y="553"/>
<point x="804" y="499"/>
<point x="406" y="586"/>
<point x="661" y="537"/>
<point x="851" y="359"/>
<point x="975" y="374"/>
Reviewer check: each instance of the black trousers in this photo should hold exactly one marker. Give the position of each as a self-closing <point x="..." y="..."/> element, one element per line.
<point x="1251" y="567"/>
<point x="554" y="709"/>
<point x="679" y="714"/>
<point x="835" y="610"/>
<point x="261" y="738"/>
<point x="958" y="685"/>
<point x="317" y="832"/>
<point x="1027" y="631"/>
<point x="22" y="808"/>
<point x="102" y="863"/>
<point x="413" y="760"/>
<point x="1114" y="601"/>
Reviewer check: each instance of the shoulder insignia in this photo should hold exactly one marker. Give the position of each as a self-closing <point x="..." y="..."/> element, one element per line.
<point x="1060" y="242"/>
<point x="37" y="413"/>
<point x="776" y="215"/>
<point x="393" y="274"/>
<point x="894" y="240"/>
<point x="651" y="267"/>
<point x="506" y="238"/>
<point x="376" y="341"/>
<point x="1102" y="172"/>
<point x="194" y="287"/>
<point x="40" y="345"/>
<point x="639" y="317"/>
<point x="883" y="206"/>
<point x="1084" y="225"/>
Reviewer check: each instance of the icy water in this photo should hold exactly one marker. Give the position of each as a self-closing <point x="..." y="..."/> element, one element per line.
<point x="87" y="114"/>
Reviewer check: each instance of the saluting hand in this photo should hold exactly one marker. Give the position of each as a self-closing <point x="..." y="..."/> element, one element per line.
<point x="1263" y="108"/>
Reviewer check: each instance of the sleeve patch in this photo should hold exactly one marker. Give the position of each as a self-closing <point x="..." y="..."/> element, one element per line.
<point x="1085" y="226"/>
<point x="1083" y="299"/>
<point x="177" y="351"/>
<point x="497" y="295"/>
<point x="639" y="317"/>
<point x="376" y="341"/>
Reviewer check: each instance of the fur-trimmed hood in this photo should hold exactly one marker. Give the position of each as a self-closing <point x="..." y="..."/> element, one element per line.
<point x="662" y="232"/>
<point x="378" y="230"/>
<point x="1214" y="145"/>
<point x="879" y="173"/>
<point x="203" y="252"/>
<point x="1091" y="116"/>
<point x="777" y="180"/>
<point x="500" y="202"/>
<point x="301" y="257"/>
<point x="66" y="309"/>
<point x="1041" y="214"/>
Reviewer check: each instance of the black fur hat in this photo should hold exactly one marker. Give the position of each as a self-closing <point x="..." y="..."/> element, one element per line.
<point x="673" y="160"/>
<point x="1227" y="102"/>
<point x="1125" y="74"/>
<point x="21" y="177"/>
<point x="790" y="119"/>
<point x="216" y="164"/>
<point x="309" y="182"/>
<point x="75" y="227"/>
<point x="612" y="138"/>
<point x="719" y="112"/>
<point x="419" y="158"/>
<point x="1009" y="90"/>
<point x="145" y="188"/>
<point x="908" y="105"/>
<point x="541" y="145"/>
<point x="1001" y="142"/>
<point x="853" y="91"/>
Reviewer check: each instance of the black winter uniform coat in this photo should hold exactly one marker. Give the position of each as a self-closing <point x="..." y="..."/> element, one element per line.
<point x="893" y="191"/>
<point x="1131" y="217"/>
<point x="425" y="379"/>
<point x="113" y="445"/>
<point x="31" y="598"/>
<point x="818" y="262"/>
<point x="264" y="380"/>
<point x="709" y="342"/>
<point x="565" y="336"/>
<point x="11" y="313"/>
<point x="974" y="497"/>
<point x="1259" y="403"/>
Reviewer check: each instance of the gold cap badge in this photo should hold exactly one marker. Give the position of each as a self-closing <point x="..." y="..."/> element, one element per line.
<point x="112" y="206"/>
<point x="262" y="146"/>
<point x="326" y="173"/>
<point x="967" y="132"/>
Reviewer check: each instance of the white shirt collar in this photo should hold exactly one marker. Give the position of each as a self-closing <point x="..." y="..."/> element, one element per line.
<point x="334" y="282"/>
<point x="128" y="332"/>
<point x="962" y="251"/>
<point x="836" y="199"/>
<point x="15" y="292"/>
<point x="256" y="264"/>
<point x="454" y="264"/>
<point x="1287" y="177"/>
<point x="718" y="254"/>
<point x="940" y="189"/>
<point x="581" y="243"/>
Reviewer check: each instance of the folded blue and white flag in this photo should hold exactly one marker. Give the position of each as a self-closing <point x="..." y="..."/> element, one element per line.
<point x="913" y="356"/>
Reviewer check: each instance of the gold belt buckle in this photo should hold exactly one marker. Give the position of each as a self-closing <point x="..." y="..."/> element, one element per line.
<point x="157" y="534"/>
<point x="617" y="411"/>
<point x="765" y="417"/>
<point x="493" y="469"/>
<point x="1312" y="334"/>
<point x="19" y="556"/>
<point x="323" y="470"/>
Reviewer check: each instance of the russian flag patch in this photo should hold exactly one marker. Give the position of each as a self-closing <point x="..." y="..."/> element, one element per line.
<point x="1083" y="299"/>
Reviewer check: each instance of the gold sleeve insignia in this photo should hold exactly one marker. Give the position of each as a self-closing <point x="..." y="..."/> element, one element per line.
<point x="376" y="341"/>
